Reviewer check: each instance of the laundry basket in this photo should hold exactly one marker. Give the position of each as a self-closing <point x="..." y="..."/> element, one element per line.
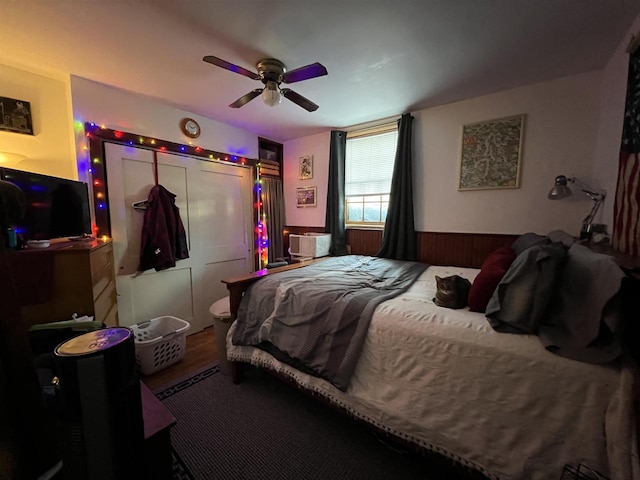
<point x="160" y="342"/>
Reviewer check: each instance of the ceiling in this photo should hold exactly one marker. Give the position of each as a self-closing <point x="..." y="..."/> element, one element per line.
<point x="384" y="58"/>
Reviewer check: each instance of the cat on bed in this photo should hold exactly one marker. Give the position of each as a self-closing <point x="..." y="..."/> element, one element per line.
<point x="452" y="292"/>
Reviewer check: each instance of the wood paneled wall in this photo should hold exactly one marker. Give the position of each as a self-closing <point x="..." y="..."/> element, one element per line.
<point x="435" y="248"/>
<point x="459" y="249"/>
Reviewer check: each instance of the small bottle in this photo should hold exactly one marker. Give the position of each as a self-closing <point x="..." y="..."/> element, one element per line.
<point x="12" y="239"/>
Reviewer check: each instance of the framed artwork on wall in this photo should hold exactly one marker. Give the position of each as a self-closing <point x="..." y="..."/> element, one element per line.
<point x="15" y="116"/>
<point x="306" y="167"/>
<point x="306" y="196"/>
<point x="491" y="154"/>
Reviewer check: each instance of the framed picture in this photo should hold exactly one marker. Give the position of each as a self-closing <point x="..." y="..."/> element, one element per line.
<point x="491" y="154"/>
<point x="306" y="196"/>
<point x="306" y="167"/>
<point x="15" y="116"/>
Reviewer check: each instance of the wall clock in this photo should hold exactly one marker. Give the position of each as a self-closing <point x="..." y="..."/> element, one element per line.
<point x="190" y="127"/>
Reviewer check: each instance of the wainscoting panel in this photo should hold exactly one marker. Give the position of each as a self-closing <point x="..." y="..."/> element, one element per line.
<point x="364" y="242"/>
<point x="459" y="249"/>
<point x="435" y="248"/>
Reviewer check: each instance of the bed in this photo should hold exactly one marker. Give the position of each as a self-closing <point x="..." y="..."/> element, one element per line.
<point x="445" y="381"/>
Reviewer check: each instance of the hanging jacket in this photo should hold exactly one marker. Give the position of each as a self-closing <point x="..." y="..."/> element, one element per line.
<point x="163" y="236"/>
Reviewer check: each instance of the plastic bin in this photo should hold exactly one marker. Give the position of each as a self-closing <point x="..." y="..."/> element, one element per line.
<point x="220" y="310"/>
<point x="160" y="342"/>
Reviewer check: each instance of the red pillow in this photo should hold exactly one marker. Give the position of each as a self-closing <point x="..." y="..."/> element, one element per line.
<point x="493" y="269"/>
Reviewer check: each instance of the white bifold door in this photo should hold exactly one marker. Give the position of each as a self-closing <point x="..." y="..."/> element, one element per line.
<point x="215" y="202"/>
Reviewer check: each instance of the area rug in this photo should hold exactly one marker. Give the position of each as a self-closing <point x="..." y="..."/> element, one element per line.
<point x="264" y="428"/>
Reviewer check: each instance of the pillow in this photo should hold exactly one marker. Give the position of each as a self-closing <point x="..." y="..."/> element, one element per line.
<point x="521" y="299"/>
<point x="493" y="269"/>
<point x="528" y="240"/>
<point x="562" y="237"/>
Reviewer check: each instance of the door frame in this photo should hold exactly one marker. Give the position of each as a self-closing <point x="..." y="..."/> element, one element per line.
<point x="96" y="171"/>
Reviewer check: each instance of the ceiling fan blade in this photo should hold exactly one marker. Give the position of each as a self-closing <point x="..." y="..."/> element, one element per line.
<point x="230" y="66"/>
<point x="298" y="99"/>
<point x="305" y="73"/>
<point x="243" y="100"/>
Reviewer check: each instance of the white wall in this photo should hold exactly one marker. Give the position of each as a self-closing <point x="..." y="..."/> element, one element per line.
<point x="61" y="104"/>
<point x="120" y="110"/>
<point x="50" y="149"/>
<point x="318" y="146"/>
<point x="559" y="138"/>
<point x="613" y="93"/>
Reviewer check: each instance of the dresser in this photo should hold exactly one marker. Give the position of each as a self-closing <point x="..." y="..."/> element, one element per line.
<point x="64" y="279"/>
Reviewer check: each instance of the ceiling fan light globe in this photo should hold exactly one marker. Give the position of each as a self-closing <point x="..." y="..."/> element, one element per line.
<point x="271" y="97"/>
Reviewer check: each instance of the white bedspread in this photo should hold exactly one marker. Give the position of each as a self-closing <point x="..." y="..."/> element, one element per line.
<point x="446" y="380"/>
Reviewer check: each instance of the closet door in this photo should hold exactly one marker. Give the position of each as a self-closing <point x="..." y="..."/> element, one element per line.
<point x="223" y="230"/>
<point x="201" y="188"/>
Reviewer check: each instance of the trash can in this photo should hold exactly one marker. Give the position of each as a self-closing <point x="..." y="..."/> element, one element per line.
<point x="221" y="313"/>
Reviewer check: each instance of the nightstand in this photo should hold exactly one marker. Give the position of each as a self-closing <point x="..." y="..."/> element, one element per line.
<point x="158" y="421"/>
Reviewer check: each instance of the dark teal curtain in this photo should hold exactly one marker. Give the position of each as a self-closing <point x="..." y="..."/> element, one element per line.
<point x="334" y="219"/>
<point x="399" y="237"/>
<point x="274" y="209"/>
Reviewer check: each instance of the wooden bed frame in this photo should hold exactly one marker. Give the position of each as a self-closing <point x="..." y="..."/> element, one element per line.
<point x="435" y="248"/>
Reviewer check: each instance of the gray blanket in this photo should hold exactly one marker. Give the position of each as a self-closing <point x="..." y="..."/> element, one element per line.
<point x="583" y="320"/>
<point x="318" y="316"/>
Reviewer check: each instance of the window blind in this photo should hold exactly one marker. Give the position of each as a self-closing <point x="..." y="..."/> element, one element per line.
<point x="369" y="163"/>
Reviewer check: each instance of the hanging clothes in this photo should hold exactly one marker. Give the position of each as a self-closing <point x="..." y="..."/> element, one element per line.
<point x="163" y="236"/>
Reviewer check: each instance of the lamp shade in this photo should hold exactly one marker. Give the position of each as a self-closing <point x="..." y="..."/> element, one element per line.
<point x="271" y="95"/>
<point x="560" y="189"/>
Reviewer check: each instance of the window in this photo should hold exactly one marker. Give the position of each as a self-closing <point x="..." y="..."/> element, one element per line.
<point x="368" y="170"/>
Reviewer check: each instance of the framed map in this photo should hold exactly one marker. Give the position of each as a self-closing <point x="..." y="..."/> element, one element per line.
<point x="491" y="154"/>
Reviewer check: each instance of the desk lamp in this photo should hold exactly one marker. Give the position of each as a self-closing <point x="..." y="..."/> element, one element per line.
<point x="561" y="190"/>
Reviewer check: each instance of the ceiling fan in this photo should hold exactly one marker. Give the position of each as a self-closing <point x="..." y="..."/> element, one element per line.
<point x="272" y="73"/>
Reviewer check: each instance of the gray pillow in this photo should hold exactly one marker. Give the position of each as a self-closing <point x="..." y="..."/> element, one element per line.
<point x="562" y="237"/>
<point x="528" y="240"/>
<point x="519" y="303"/>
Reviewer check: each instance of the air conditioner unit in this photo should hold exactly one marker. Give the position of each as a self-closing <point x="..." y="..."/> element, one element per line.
<point x="310" y="245"/>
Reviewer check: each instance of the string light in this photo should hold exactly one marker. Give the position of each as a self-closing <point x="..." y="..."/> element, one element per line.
<point x="96" y="175"/>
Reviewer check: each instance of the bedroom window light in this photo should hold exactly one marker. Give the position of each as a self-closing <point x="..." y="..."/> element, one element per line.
<point x="369" y="160"/>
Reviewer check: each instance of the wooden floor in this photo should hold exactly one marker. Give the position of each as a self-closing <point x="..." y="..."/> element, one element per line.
<point x="201" y="350"/>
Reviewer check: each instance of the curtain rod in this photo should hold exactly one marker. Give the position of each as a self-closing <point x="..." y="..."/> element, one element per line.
<point x="373" y="128"/>
<point x="372" y="124"/>
<point x="634" y="43"/>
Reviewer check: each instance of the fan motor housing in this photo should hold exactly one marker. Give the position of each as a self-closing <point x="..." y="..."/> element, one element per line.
<point x="271" y="70"/>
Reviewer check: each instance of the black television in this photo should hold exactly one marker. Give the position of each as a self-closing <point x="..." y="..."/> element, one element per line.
<point x="55" y="207"/>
